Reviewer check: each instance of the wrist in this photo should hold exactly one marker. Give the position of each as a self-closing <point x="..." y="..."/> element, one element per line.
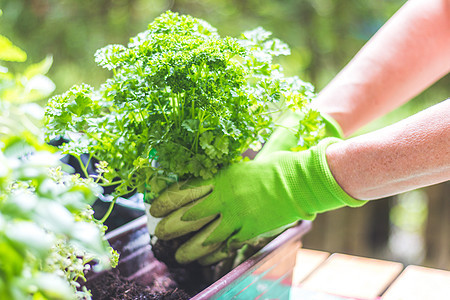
<point x="312" y="184"/>
<point x="330" y="193"/>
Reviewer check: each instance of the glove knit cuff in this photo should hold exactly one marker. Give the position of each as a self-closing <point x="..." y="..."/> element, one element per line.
<point x="332" y="195"/>
<point x="313" y="187"/>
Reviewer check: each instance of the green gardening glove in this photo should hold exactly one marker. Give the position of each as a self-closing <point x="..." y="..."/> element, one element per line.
<point x="246" y="200"/>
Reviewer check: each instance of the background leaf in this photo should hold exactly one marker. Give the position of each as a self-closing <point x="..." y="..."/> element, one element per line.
<point x="10" y="52"/>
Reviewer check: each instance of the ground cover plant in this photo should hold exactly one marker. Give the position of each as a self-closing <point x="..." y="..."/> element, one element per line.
<point x="48" y="237"/>
<point x="182" y="102"/>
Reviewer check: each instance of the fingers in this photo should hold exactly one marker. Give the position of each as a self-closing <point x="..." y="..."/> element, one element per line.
<point x="204" y="207"/>
<point x="173" y="226"/>
<point x="176" y="196"/>
<point x="215" y="256"/>
<point x="233" y="248"/>
<point x="196" y="247"/>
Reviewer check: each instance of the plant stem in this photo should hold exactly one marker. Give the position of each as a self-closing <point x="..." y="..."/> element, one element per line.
<point x="82" y="166"/>
<point x="112" y="183"/>
<point x="110" y="208"/>
<point x="162" y="109"/>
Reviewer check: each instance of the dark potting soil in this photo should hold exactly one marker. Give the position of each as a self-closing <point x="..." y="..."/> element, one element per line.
<point x="112" y="286"/>
<point x="192" y="277"/>
<point x="177" y="282"/>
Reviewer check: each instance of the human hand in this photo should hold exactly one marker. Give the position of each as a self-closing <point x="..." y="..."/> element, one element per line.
<point x="247" y="200"/>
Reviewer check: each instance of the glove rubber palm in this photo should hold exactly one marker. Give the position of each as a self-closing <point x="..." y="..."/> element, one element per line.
<point x="248" y="199"/>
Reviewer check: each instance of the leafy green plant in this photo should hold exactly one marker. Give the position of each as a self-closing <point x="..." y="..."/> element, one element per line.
<point x="182" y="102"/>
<point x="48" y="236"/>
<point x="47" y="233"/>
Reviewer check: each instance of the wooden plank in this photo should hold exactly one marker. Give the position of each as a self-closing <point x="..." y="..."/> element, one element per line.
<point x="353" y="276"/>
<point x="353" y="231"/>
<point x="307" y="261"/>
<point x="438" y="227"/>
<point x="420" y="283"/>
<point x="280" y="265"/>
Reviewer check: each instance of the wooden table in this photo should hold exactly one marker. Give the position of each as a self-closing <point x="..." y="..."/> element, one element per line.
<point x="321" y="275"/>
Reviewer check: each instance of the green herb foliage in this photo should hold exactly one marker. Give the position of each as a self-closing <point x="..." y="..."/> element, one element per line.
<point x="48" y="235"/>
<point x="182" y="101"/>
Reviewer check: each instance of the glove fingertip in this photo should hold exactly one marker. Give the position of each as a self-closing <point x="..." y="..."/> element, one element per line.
<point x="197" y="246"/>
<point x="191" y="251"/>
<point x="214" y="257"/>
<point x="158" y="210"/>
<point x="175" y="197"/>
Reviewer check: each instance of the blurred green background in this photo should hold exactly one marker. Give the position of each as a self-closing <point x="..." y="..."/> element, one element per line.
<point x="323" y="35"/>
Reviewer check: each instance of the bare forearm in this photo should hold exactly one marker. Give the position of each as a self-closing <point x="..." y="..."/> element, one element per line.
<point x="407" y="155"/>
<point x="409" y="53"/>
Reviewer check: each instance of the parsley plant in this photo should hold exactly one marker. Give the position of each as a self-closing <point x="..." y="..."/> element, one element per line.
<point x="182" y="101"/>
